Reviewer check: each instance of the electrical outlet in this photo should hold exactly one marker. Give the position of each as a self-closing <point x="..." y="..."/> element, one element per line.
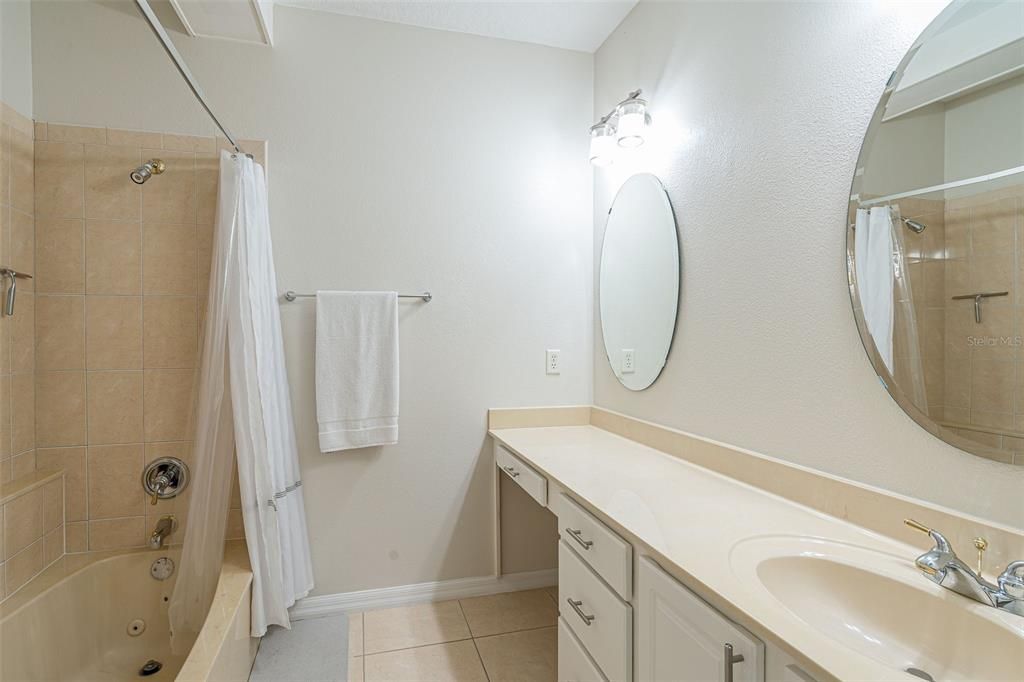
<point x="628" y="360"/>
<point x="553" y="361"/>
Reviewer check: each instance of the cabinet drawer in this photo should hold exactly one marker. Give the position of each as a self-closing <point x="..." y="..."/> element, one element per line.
<point x="596" y="615"/>
<point x="574" y="663"/>
<point x="520" y="472"/>
<point x="606" y="552"/>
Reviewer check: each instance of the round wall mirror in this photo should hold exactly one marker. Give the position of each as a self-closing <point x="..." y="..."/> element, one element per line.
<point x="935" y="236"/>
<point x="638" y="286"/>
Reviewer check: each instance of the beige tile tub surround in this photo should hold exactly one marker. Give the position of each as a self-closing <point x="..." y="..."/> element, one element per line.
<point x="510" y="636"/>
<point x="17" y="334"/>
<point x="871" y="508"/>
<point x="985" y="252"/>
<point x="31" y="528"/>
<point x="120" y="286"/>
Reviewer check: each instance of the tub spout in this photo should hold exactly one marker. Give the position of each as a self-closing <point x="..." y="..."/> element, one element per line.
<point x="164" y="527"/>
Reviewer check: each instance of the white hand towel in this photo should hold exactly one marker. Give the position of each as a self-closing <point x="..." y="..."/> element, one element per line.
<point x="356" y="369"/>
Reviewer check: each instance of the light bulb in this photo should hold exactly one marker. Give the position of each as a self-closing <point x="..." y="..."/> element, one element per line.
<point x="602" y="144"/>
<point x="632" y="123"/>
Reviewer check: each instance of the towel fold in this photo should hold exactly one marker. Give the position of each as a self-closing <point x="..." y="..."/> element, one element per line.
<point x="356" y="369"/>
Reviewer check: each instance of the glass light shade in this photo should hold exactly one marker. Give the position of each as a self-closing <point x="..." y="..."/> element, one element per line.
<point x="632" y="122"/>
<point x="602" y="144"/>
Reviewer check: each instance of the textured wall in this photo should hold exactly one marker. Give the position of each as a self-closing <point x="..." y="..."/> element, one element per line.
<point x="16" y="55"/>
<point x="760" y="109"/>
<point x="401" y="158"/>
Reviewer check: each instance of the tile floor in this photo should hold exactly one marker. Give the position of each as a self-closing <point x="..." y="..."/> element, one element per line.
<point x="507" y="637"/>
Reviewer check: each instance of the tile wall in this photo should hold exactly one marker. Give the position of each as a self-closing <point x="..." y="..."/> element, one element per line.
<point x="926" y="258"/>
<point x="17" y="333"/>
<point x="31" y="533"/>
<point x="973" y="372"/>
<point x="122" y="273"/>
<point x="984" y="363"/>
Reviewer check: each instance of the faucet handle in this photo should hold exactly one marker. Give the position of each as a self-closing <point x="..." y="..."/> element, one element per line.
<point x="917" y="525"/>
<point x="941" y="543"/>
<point x="1012" y="580"/>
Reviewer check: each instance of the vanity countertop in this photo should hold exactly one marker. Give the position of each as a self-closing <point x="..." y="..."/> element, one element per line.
<point x="693" y="519"/>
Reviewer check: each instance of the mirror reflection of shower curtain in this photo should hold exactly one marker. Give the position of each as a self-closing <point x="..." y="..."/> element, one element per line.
<point x="243" y="417"/>
<point x="887" y="299"/>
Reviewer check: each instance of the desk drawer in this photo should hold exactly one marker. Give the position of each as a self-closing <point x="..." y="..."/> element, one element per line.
<point x="520" y="472"/>
<point x="608" y="554"/>
<point x="602" y="622"/>
<point x="574" y="663"/>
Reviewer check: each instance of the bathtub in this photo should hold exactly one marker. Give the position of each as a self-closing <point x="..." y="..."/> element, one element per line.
<point x="103" y="617"/>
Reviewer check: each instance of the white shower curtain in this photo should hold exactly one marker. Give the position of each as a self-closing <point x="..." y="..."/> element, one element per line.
<point x="874" y="268"/>
<point x="243" y="405"/>
<point x="887" y="297"/>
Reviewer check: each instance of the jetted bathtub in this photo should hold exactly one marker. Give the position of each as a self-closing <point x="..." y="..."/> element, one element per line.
<point x="103" y="616"/>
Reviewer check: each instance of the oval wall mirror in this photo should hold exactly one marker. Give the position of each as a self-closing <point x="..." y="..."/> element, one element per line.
<point x="935" y="237"/>
<point x="638" y="287"/>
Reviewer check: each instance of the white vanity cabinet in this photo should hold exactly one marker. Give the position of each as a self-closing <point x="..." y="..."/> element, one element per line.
<point x="601" y="621"/>
<point x="603" y="550"/>
<point x="623" y="618"/>
<point x="523" y="474"/>
<point x="681" y="638"/>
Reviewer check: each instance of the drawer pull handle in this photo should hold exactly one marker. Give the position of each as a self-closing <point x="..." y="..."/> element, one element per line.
<point x="579" y="612"/>
<point x="730" y="660"/>
<point x="511" y="471"/>
<point x="577" y="535"/>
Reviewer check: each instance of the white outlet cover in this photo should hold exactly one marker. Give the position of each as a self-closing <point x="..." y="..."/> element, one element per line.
<point x="553" y="361"/>
<point x="628" y="360"/>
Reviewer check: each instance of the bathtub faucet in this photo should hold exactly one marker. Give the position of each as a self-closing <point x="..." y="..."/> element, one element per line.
<point x="164" y="527"/>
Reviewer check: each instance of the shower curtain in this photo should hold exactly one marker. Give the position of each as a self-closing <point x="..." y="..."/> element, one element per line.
<point x="887" y="298"/>
<point x="243" y="408"/>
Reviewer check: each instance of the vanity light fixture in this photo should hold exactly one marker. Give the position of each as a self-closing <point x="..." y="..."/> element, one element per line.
<point x="633" y="120"/>
<point x="602" y="142"/>
<point x="624" y="126"/>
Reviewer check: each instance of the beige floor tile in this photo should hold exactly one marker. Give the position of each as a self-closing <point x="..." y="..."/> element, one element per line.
<point x="355" y="634"/>
<point x="452" y="662"/>
<point x="417" y="625"/>
<point x="519" y="656"/>
<point x="355" y="669"/>
<point x="495" y="614"/>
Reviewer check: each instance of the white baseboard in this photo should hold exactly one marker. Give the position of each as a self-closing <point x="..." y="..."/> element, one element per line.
<point x="460" y="588"/>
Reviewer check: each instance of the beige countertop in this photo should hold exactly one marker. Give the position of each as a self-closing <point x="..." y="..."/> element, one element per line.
<point x="693" y="520"/>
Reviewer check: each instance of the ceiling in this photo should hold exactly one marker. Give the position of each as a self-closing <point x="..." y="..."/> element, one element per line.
<point x="570" y="24"/>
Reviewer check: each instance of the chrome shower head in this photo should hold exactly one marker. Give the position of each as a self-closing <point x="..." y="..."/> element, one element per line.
<point x="915" y="227"/>
<point x="147" y="170"/>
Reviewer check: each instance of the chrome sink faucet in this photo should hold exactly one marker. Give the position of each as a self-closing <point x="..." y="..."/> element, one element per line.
<point x="944" y="568"/>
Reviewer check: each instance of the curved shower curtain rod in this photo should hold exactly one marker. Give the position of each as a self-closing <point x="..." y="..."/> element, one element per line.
<point x="154" y="23"/>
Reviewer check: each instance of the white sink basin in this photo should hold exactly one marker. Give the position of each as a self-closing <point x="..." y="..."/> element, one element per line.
<point x="880" y="606"/>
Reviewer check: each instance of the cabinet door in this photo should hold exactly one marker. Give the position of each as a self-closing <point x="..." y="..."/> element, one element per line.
<point x="681" y="638"/>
